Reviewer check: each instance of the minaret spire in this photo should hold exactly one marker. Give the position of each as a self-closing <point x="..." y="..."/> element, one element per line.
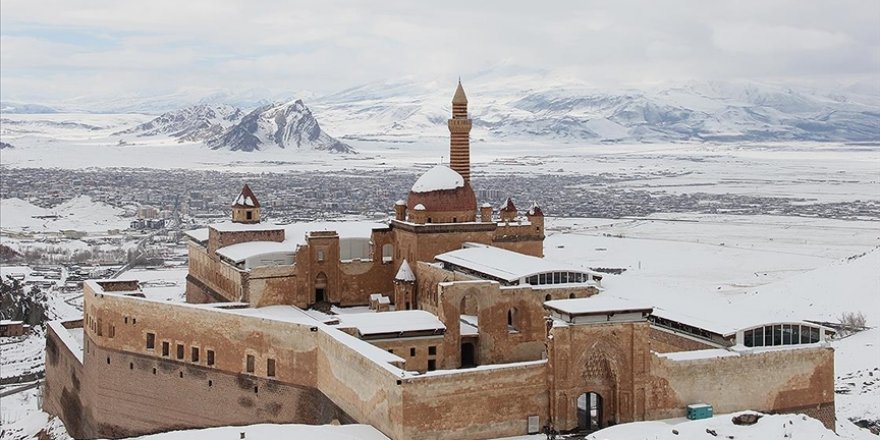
<point x="459" y="135"/>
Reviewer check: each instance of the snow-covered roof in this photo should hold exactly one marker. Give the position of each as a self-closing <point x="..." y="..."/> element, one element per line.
<point x="504" y="264"/>
<point x="596" y="304"/>
<point x="405" y="273"/>
<point x="438" y="178"/>
<point x="711" y="353"/>
<point x="295" y="235"/>
<point x="246" y="199"/>
<point x="199" y="235"/>
<point x="726" y="324"/>
<point x="392" y="322"/>
<point x="242" y="251"/>
<point x="232" y="227"/>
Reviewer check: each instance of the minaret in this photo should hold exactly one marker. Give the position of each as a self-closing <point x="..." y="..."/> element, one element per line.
<point x="459" y="136"/>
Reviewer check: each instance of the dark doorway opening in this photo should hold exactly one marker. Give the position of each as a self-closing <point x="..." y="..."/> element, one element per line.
<point x="467" y="355"/>
<point x="320" y="288"/>
<point x="589" y="412"/>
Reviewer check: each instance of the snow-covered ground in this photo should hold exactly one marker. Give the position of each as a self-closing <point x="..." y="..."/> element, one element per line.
<point x="79" y="214"/>
<point x="271" y="432"/>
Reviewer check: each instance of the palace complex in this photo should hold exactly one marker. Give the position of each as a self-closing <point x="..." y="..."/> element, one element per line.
<point x="445" y="322"/>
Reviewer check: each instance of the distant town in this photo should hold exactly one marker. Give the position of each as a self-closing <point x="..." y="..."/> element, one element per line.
<point x="192" y="197"/>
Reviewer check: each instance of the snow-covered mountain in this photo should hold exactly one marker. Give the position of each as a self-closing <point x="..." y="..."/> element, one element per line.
<point x="287" y="125"/>
<point x="195" y="123"/>
<point x="542" y="107"/>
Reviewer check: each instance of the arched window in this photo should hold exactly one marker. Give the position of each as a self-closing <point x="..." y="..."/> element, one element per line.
<point x="548" y="297"/>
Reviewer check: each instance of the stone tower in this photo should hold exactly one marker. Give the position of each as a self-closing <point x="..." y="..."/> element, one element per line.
<point x="246" y="207"/>
<point x="459" y="136"/>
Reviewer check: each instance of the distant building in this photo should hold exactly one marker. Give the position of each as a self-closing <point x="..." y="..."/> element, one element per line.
<point x="384" y="324"/>
<point x="147" y="212"/>
<point x="13" y="328"/>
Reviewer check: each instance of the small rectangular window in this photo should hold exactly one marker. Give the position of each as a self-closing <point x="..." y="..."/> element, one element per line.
<point x="270" y="367"/>
<point x="432" y="350"/>
<point x="250" y="363"/>
<point x="210" y="357"/>
<point x="166" y="348"/>
<point x="194" y="354"/>
<point x="151" y="341"/>
<point x="179" y="351"/>
<point x="412" y="351"/>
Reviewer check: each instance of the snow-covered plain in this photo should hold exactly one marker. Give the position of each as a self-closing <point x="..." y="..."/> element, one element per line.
<point x="79" y="213"/>
<point x="825" y="172"/>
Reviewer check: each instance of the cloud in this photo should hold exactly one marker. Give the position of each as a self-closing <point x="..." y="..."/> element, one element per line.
<point x="102" y="47"/>
<point x="762" y="39"/>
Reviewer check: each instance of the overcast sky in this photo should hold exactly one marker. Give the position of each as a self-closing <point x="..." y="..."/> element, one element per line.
<point x="60" y="49"/>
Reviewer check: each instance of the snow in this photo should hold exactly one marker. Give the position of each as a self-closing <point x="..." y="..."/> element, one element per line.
<point x="200" y="235"/>
<point x="281" y="313"/>
<point x="439" y="178"/>
<point x="768" y="427"/>
<point x="79" y="213"/>
<point x="405" y="273"/>
<point x="233" y="227"/>
<point x="242" y="251"/>
<point x="596" y="304"/>
<point x="294" y="236"/>
<point x="392" y="322"/>
<point x="272" y="432"/>
<point x="419" y="207"/>
<point x="503" y="264"/>
<point x="68" y="338"/>
<point x="712" y="353"/>
<point x="857" y="366"/>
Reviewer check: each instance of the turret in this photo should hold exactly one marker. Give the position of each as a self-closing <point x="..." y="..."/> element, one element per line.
<point x="507" y="211"/>
<point x="246" y="207"/>
<point x="536" y="216"/>
<point x="404" y="287"/>
<point x="486" y="213"/>
<point x="400" y="210"/>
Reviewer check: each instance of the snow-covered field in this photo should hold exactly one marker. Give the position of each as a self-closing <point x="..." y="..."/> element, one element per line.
<point x="79" y="214"/>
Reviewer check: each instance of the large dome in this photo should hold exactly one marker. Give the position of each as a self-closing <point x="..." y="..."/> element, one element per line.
<point x="442" y="190"/>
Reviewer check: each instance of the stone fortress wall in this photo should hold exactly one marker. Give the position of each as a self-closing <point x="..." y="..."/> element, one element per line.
<point x="321" y="374"/>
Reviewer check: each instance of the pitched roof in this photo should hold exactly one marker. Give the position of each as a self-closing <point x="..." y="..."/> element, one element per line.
<point x="246" y="199"/>
<point x="535" y="210"/>
<point x="508" y="205"/>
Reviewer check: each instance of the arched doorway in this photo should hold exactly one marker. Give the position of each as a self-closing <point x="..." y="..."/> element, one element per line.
<point x="321" y="287"/>
<point x="589" y="412"/>
<point x="467" y="355"/>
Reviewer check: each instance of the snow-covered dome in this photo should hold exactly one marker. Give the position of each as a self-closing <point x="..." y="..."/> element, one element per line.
<point x="437" y="179"/>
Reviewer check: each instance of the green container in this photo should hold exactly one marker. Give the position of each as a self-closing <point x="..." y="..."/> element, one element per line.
<point x="699" y="411"/>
